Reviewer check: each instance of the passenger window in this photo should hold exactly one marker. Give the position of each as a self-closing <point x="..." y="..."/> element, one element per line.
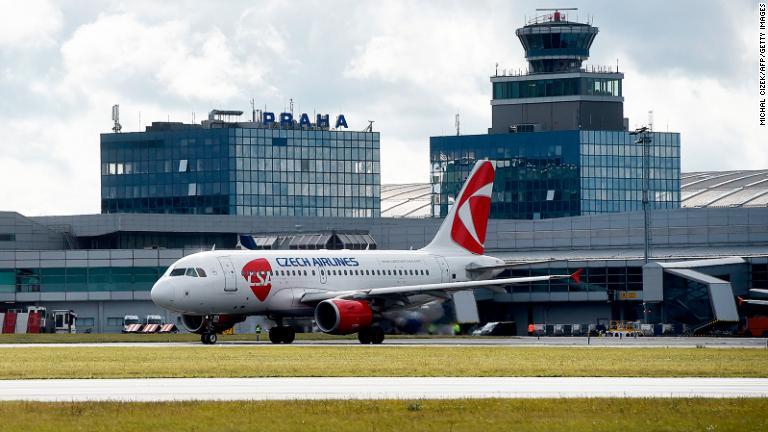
<point x="191" y="272"/>
<point x="400" y="272"/>
<point x="201" y="272"/>
<point x="322" y="273"/>
<point x="305" y="272"/>
<point x="313" y="272"/>
<point x="178" y="272"/>
<point x="427" y="272"/>
<point x="345" y="272"/>
<point x="293" y="272"/>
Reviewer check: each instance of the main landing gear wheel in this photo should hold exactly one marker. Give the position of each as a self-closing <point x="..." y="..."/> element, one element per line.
<point x="208" y="338"/>
<point x="282" y="334"/>
<point x="371" y="335"/>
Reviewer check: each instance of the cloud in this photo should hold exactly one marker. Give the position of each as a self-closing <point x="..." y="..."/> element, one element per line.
<point x="28" y="24"/>
<point x="410" y="66"/>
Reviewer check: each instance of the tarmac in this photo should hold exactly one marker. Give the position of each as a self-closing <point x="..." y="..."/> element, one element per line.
<point x="639" y="342"/>
<point x="227" y="389"/>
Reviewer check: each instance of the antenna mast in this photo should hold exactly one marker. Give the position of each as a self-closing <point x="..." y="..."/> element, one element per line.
<point x="458" y="125"/>
<point x="116" y="118"/>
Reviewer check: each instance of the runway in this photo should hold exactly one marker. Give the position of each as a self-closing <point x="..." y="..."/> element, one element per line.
<point x="524" y="341"/>
<point x="183" y="389"/>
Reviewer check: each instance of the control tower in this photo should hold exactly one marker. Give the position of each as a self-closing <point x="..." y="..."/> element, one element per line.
<point x="557" y="92"/>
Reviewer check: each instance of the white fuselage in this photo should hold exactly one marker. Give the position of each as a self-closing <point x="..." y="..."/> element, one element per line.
<point x="265" y="282"/>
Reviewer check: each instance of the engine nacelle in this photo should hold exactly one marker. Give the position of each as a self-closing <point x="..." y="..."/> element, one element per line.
<point x="199" y="324"/>
<point x="337" y="316"/>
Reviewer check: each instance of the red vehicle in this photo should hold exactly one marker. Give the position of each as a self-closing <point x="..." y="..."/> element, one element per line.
<point x="755" y="326"/>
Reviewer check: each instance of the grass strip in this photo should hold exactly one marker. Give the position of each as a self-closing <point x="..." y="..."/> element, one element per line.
<point x="330" y="361"/>
<point x="486" y="415"/>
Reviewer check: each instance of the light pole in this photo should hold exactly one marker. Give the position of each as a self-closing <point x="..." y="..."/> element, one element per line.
<point x="645" y="140"/>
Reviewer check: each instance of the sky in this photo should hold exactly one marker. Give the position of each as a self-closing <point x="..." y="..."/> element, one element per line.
<point x="409" y="66"/>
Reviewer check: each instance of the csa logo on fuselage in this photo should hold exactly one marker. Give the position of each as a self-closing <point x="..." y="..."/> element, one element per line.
<point x="258" y="274"/>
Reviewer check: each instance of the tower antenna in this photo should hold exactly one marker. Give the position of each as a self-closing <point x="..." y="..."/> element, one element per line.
<point x="458" y="125"/>
<point x="116" y="118"/>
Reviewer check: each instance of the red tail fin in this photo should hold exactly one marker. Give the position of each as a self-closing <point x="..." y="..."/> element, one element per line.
<point x="576" y="276"/>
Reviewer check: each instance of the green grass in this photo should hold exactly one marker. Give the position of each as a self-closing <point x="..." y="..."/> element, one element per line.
<point x="486" y="415"/>
<point x="355" y="360"/>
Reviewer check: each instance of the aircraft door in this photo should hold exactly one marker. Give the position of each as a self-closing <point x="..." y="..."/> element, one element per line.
<point x="230" y="279"/>
<point x="444" y="270"/>
<point x="323" y="276"/>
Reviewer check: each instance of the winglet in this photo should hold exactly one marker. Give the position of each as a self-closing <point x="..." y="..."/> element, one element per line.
<point x="576" y="276"/>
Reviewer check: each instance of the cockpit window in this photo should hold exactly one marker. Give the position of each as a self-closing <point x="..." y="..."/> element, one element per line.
<point x="191" y="272"/>
<point x="201" y="272"/>
<point x="178" y="272"/>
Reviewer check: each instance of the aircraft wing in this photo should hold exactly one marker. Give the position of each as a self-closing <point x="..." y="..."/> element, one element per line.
<point x="752" y="302"/>
<point x="759" y="291"/>
<point x="447" y="287"/>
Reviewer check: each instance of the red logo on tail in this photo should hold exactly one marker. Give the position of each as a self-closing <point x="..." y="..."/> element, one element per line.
<point x="258" y="273"/>
<point x="471" y="219"/>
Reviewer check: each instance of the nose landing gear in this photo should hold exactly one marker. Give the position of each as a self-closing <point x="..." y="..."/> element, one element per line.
<point x="208" y="338"/>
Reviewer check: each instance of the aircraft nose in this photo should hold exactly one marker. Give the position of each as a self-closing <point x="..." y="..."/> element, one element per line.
<point x="162" y="293"/>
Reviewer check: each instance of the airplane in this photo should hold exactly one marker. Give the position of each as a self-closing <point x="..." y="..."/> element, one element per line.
<point x="345" y="291"/>
<point x="752" y="302"/>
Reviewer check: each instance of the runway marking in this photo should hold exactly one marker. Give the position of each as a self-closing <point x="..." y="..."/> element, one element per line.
<point x="185" y="389"/>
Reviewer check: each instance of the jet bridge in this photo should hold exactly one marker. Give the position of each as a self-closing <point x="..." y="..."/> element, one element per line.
<point x="688" y="294"/>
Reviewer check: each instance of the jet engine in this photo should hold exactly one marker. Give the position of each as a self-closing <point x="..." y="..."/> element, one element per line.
<point x="200" y="324"/>
<point x="338" y="316"/>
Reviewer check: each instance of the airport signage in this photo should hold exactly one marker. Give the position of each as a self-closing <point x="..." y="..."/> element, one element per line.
<point x="286" y="120"/>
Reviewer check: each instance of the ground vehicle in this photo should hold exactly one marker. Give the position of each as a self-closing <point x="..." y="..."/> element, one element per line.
<point x="131" y="323"/>
<point x="154" y="319"/>
<point x="64" y="321"/>
<point x="755" y="326"/>
<point x="498" y="328"/>
<point x="346" y="291"/>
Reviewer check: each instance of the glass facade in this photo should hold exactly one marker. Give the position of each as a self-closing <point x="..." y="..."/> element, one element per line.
<point x="583" y="86"/>
<point x="612" y="171"/>
<point x="561" y="173"/>
<point x="244" y="171"/>
<point x="78" y="279"/>
<point x="537" y="174"/>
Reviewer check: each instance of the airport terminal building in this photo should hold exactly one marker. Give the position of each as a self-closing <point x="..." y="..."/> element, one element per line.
<point x="559" y="137"/>
<point x="263" y="167"/>
<point x="702" y="259"/>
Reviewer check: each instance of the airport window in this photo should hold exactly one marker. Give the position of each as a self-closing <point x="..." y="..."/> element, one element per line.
<point x="178" y="272"/>
<point x="7" y="237"/>
<point x="114" y="321"/>
<point x="86" y="322"/>
<point x="201" y="272"/>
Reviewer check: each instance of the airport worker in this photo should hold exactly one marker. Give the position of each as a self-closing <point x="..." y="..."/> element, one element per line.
<point x="456" y="329"/>
<point x="258" y="332"/>
<point x="531" y="329"/>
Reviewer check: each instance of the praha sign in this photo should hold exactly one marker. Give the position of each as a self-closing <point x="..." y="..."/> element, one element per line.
<point x="286" y="120"/>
